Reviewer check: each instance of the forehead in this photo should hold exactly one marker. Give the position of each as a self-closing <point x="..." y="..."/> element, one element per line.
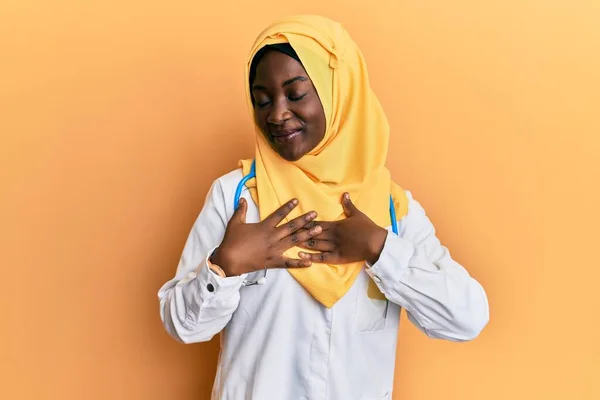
<point x="276" y="66"/>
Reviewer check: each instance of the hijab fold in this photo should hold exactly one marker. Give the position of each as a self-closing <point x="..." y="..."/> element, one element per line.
<point x="350" y="158"/>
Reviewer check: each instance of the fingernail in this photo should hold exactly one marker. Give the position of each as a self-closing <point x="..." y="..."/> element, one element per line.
<point x="295" y="201"/>
<point x="312" y="215"/>
<point x="317" y="229"/>
<point x="347" y="196"/>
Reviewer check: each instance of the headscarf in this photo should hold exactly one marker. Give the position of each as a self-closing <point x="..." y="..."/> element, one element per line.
<point x="350" y="158"/>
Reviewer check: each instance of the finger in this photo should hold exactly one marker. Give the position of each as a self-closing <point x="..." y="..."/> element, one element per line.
<point x="349" y="207"/>
<point x="321" y="257"/>
<point x="317" y="245"/>
<point x="279" y="215"/>
<point x="240" y="212"/>
<point x="292" y="263"/>
<point x="328" y="235"/>
<point x="298" y="237"/>
<point x="297" y="224"/>
<point x="325" y="226"/>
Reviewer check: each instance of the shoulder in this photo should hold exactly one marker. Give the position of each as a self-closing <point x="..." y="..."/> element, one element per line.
<point x="415" y="224"/>
<point x="224" y="187"/>
<point x="221" y="195"/>
<point x="229" y="181"/>
<point x="415" y="209"/>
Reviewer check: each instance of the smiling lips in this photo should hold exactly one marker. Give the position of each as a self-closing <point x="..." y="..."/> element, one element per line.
<point x="285" y="136"/>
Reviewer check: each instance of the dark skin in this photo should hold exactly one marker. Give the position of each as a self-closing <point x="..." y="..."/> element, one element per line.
<point x="355" y="238"/>
<point x="286" y="101"/>
<point x="252" y="247"/>
<point x="290" y="115"/>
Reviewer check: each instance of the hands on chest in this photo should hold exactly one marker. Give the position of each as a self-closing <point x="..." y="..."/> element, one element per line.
<point x="250" y="247"/>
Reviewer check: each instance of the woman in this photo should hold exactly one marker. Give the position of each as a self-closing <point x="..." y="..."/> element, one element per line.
<point x="306" y="285"/>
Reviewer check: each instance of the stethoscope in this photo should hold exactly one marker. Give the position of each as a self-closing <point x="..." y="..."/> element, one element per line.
<point x="236" y="200"/>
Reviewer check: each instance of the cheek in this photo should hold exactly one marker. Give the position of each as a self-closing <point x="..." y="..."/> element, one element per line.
<point x="318" y="122"/>
<point x="260" y="120"/>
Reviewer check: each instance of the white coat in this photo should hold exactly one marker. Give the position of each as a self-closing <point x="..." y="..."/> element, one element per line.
<point x="278" y="343"/>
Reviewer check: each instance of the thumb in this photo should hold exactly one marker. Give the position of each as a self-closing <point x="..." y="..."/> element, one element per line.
<point x="240" y="212"/>
<point x="349" y="207"/>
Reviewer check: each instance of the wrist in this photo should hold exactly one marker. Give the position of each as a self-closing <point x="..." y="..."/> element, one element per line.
<point x="219" y="259"/>
<point x="217" y="270"/>
<point x="375" y="245"/>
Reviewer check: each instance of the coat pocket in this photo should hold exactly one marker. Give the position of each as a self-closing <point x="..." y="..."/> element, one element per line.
<point x="373" y="314"/>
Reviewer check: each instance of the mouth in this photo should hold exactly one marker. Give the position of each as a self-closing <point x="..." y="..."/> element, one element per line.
<point x="285" y="136"/>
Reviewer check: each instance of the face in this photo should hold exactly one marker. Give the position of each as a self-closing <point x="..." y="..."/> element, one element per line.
<point x="287" y="107"/>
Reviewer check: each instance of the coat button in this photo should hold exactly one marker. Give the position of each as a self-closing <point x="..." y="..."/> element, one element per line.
<point x="210" y="287"/>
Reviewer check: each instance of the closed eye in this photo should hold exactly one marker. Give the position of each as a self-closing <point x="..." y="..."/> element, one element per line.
<point x="297" y="98"/>
<point x="263" y="104"/>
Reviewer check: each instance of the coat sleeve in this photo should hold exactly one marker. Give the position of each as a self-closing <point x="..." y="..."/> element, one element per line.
<point x="417" y="272"/>
<point x="196" y="303"/>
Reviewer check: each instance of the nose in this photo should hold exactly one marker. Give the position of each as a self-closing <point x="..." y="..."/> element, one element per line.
<point x="279" y="113"/>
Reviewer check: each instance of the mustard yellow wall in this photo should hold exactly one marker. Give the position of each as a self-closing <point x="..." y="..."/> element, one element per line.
<point x="116" y="116"/>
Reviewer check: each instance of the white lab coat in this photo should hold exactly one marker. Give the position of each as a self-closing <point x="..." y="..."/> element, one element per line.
<point x="278" y="343"/>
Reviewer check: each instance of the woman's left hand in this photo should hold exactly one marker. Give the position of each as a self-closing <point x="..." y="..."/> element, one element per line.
<point x="355" y="238"/>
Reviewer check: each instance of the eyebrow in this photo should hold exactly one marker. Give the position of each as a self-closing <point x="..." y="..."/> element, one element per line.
<point x="286" y="83"/>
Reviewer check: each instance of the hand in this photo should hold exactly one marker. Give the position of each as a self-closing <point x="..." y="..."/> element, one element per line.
<point x="353" y="239"/>
<point x="252" y="247"/>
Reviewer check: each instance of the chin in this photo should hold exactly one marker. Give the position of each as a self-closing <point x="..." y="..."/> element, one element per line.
<point x="290" y="154"/>
<point x="291" y="157"/>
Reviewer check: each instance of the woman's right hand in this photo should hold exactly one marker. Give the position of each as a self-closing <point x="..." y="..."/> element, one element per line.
<point x="252" y="247"/>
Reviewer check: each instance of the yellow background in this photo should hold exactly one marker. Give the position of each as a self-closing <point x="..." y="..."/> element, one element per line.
<point x="116" y="116"/>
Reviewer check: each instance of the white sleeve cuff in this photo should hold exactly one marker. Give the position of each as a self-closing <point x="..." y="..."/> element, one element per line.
<point x="212" y="284"/>
<point x="393" y="261"/>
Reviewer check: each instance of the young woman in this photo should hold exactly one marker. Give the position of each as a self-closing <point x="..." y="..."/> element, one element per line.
<point x="304" y="277"/>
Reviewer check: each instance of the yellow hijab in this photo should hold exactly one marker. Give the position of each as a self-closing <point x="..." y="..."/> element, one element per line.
<point x="351" y="157"/>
